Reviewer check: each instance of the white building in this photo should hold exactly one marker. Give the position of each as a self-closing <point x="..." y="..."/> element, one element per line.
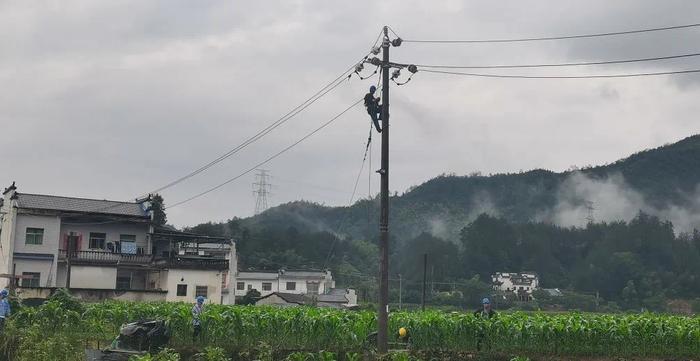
<point x="308" y="282"/>
<point x="521" y="284"/>
<point x="106" y="249"/>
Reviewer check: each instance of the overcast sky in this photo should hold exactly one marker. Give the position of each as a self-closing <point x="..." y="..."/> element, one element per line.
<point x="111" y="99"/>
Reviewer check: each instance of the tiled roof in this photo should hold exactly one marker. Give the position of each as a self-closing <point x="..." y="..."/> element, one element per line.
<point x="291" y="297"/>
<point x="83" y="205"/>
<point x="337" y="295"/>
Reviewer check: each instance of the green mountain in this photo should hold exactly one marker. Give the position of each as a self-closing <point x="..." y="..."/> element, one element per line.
<point x="624" y="231"/>
<point x="658" y="179"/>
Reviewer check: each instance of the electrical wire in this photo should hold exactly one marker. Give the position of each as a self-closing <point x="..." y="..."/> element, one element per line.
<point x="393" y="32"/>
<point x="270" y="127"/>
<point x="516" y="40"/>
<point x="631" y="75"/>
<point x="268" y="159"/>
<point x="559" y="64"/>
<point x="352" y="198"/>
<point x="325" y="90"/>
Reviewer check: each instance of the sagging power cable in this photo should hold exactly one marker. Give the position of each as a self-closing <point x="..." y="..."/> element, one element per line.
<point x="268" y="159"/>
<point x="608" y="62"/>
<point x="545" y="38"/>
<point x="518" y="76"/>
<point x="352" y="198"/>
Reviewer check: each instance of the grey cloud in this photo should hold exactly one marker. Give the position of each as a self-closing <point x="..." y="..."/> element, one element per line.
<point x="110" y="100"/>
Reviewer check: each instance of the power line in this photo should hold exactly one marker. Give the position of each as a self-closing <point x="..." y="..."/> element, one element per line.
<point x="631" y="75"/>
<point x="559" y="64"/>
<point x="325" y="90"/>
<point x="352" y="197"/>
<point x="516" y="40"/>
<point x="268" y="159"/>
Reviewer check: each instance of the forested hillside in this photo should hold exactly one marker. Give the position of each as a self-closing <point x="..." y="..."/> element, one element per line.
<point x="624" y="230"/>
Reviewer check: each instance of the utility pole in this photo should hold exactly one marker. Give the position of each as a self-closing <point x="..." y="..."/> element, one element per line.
<point x="400" y="290"/>
<point x="383" y="312"/>
<point x="425" y="280"/>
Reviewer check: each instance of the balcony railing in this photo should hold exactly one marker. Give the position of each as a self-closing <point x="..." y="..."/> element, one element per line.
<point x="103" y="257"/>
<point x="193" y="263"/>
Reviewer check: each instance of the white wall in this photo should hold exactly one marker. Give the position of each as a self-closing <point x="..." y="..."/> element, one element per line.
<point x="45" y="267"/>
<point x="279" y="282"/>
<point x="93" y="277"/>
<point x="192" y="278"/>
<point x="52" y="227"/>
<point x="113" y="231"/>
<point x="52" y="232"/>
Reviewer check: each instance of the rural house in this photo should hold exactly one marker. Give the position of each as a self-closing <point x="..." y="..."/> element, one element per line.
<point x="310" y="282"/>
<point x="521" y="284"/>
<point x="103" y="249"/>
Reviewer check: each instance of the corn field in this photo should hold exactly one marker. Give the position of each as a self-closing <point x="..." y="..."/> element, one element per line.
<point x="241" y="329"/>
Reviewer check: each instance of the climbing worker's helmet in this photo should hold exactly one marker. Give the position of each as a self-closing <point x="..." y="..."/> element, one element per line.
<point x="200" y="299"/>
<point x="372" y="89"/>
<point x="403" y="332"/>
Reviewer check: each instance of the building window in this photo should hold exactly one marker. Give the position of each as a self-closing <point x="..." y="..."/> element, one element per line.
<point x="182" y="290"/>
<point x="267" y="286"/>
<point x="250" y="287"/>
<point x="127" y="243"/>
<point x="200" y="291"/>
<point x="34" y="236"/>
<point x="240" y="286"/>
<point x="312" y="288"/>
<point x="124" y="282"/>
<point x="97" y="240"/>
<point x="31" y="280"/>
<point x="291" y="286"/>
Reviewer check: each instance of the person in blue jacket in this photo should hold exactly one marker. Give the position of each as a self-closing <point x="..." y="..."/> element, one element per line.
<point x="196" y="313"/>
<point x="4" y="307"/>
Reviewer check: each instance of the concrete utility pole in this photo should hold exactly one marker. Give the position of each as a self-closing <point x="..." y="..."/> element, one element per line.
<point x="383" y="312"/>
<point x="400" y="290"/>
<point x="425" y="280"/>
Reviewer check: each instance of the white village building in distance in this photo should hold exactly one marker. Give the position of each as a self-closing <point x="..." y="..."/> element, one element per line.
<point x="520" y="284"/>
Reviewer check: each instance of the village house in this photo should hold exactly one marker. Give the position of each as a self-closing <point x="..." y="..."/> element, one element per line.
<point x="288" y="288"/>
<point x="287" y="281"/>
<point x="102" y="249"/>
<point x="520" y="284"/>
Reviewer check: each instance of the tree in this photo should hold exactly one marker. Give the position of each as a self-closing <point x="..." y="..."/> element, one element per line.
<point x="158" y="207"/>
<point x="250" y="297"/>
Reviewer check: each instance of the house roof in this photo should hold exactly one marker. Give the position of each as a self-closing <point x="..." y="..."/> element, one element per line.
<point x="336" y="295"/>
<point x="289" y="297"/>
<point x="554" y="292"/>
<point x="82" y="205"/>
<point x="303" y="274"/>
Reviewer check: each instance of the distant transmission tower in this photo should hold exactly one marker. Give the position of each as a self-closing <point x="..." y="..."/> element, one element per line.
<point x="589" y="212"/>
<point x="261" y="189"/>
